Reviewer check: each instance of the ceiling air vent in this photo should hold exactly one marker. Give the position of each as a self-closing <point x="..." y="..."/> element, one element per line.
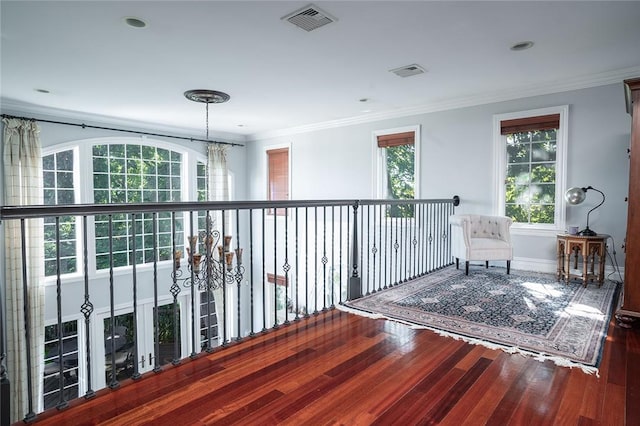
<point x="408" y="71"/>
<point x="309" y="18"/>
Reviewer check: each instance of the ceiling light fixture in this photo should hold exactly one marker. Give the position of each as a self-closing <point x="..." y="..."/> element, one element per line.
<point x="135" y="22"/>
<point x="523" y="45"/>
<point x="207" y="97"/>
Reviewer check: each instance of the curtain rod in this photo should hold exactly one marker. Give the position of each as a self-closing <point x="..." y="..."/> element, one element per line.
<point x="84" y="126"/>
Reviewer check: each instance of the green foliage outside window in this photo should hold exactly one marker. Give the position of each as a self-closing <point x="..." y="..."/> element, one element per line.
<point x="400" y="168"/>
<point x="57" y="174"/>
<point x="122" y="173"/>
<point x="129" y="173"/>
<point x="530" y="184"/>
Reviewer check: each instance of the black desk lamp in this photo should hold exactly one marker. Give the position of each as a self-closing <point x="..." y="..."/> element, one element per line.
<point x="577" y="195"/>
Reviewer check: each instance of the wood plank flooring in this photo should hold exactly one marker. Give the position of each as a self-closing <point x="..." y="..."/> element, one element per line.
<point x="340" y="369"/>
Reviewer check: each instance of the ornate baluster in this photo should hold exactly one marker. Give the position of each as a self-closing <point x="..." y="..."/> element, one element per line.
<point x="87" y="307"/>
<point x="174" y="290"/>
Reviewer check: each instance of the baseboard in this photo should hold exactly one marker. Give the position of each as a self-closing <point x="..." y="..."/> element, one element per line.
<point x="533" y="264"/>
<point x="550" y="266"/>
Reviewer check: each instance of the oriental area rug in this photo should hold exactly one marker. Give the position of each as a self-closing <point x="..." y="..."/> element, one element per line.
<point x="525" y="312"/>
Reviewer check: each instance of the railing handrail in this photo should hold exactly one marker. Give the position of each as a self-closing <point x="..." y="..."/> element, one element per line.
<point x="39" y="211"/>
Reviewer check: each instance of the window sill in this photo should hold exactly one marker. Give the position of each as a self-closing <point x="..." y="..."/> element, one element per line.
<point x="120" y="271"/>
<point x="536" y="232"/>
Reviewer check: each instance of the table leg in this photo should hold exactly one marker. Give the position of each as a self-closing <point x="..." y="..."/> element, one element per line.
<point x="567" y="266"/>
<point x="585" y="268"/>
<point x="559" y="260"/>
<point x="603" y="261"/>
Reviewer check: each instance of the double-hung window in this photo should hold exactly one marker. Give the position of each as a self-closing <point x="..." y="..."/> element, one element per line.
<point x="530" y="150"/>
<point x="397" y="167"/>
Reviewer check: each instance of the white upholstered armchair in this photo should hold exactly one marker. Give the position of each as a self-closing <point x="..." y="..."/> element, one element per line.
<point x="477" y="237"/>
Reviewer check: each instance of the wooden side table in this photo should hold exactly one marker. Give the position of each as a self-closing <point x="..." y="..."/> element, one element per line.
<point x="588" y="250"/>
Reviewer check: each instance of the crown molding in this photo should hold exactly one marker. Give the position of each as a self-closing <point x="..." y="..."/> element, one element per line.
<point x="13" y="107"/>
<point x="577" y="83"/>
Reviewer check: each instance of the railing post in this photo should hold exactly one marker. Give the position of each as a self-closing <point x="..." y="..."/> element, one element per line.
<point x="5" y="385"/>
<point x="355" y="287"/>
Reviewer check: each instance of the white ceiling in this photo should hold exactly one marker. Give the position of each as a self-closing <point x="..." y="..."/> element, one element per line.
<point x="281" y="77"/>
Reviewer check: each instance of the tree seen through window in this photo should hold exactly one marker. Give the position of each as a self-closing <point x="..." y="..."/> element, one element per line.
<point x="400" y="169"/>
<point x="530" y="184"/>
<point x="57" y="174"/>
<point x="129" y="173"/>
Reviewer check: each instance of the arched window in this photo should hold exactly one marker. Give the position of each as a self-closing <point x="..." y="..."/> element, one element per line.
<point x="118" y="170"/>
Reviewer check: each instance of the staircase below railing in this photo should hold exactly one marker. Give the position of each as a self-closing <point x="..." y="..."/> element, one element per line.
<point x="133" y="288"/>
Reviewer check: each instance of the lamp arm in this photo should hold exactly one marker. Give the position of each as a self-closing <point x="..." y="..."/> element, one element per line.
<point x="601" y="202"/>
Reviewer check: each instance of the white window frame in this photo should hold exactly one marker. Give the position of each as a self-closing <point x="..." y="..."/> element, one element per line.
<point x="83" y="187"/>
<point x="82" y="367"/>
<point x="379" y="160"/>
<point x="78" y="191"/>
<point x="500" y="170"/>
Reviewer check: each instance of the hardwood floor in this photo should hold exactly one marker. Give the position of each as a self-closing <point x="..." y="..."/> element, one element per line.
<point x="338" y="368"/>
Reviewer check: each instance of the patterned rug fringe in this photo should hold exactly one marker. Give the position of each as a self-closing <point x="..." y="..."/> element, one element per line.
<point x="562" y="362"/>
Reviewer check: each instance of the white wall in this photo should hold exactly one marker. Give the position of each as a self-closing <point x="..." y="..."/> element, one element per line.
<point x="457" y="158"/>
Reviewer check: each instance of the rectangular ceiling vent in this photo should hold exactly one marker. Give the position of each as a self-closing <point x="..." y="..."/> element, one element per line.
<point x="309" y="18"/>
<point x="408" y="71"/>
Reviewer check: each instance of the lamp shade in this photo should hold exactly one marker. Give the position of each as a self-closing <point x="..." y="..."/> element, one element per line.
<point x="575" y="195"/>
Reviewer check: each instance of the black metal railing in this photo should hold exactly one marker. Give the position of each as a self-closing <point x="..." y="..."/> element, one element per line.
<point x="198" y="276"/>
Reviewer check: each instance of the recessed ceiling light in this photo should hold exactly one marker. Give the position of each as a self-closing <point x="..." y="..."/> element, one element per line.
<point x="523" y="45"/>
<point x="42" y="90"/>
<point x="135" y="22"/>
